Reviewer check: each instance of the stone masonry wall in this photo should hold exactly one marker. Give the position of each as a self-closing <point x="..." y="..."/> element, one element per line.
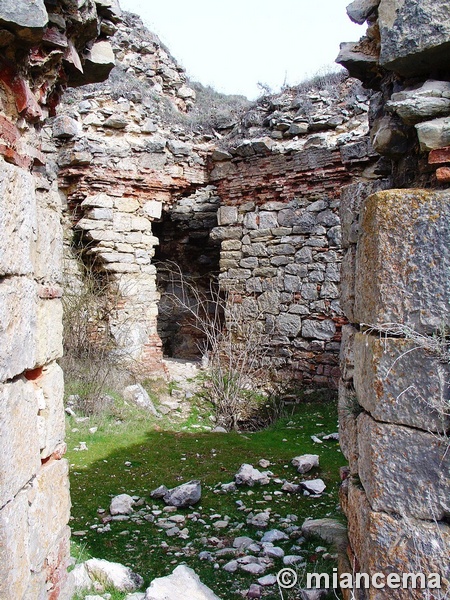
<point x="38" y="57"/>
<point x="394" y="392"/>
<point x="123" y="162"/>
<point x="280" y="235"/>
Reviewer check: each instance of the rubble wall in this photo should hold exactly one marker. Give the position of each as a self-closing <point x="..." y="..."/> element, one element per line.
<point x="394" y="393"/>
<point x="280" y="234"/>
<point x="38" y="58"/>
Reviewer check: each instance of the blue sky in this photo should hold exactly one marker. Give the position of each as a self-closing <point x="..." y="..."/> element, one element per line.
<point x="234" y="44"/>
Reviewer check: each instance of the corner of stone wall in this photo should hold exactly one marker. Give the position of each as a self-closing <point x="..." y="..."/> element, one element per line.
<point x="34" y="484"/>
<point x="393" y="395"/>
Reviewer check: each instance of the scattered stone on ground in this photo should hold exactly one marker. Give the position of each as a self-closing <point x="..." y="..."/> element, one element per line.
<point x="306" y="462"/>
<point x="248" y="475"/>
<point x="329" y="530"/>
<point x="113" y="574"/>
<point x="121" y="505"/>
<point x="184" y="495"/>
<point x="314" y="486"/>
<point x="182" y="578"/>
<point x="136" y="394"/>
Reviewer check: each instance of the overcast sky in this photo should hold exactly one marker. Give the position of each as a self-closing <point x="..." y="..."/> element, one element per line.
<point x="234" y="44"/>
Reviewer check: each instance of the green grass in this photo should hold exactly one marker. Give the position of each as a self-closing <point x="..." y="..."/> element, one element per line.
<point x="160" y="456"/>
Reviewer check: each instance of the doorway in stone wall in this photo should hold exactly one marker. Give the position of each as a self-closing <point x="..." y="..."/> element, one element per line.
<point x="186" y="260"/>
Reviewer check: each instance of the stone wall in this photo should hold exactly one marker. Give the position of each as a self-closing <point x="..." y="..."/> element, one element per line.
<point x="280" y="229"/>
<point x="38" y="57"/>
<point x="124" y="159"/>
<point x="394" y="393"/>
<point x="144" y="186"/>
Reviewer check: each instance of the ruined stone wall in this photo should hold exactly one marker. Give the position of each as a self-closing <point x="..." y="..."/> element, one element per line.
<point x="394" y="392"/>
<point x="41" y="51"/>
<point x="123" y="160"/>
<point x="280" y="230"/>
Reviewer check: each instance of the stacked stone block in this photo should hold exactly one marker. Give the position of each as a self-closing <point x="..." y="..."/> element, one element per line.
<point x="394" y="395"/>
<point x="34" y="485"/>
<point x="280" y="235"/>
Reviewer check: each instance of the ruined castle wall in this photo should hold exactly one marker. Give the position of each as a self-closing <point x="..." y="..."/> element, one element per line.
<point x="37" y="56"/>
<point x="281" y="253"/>
<point x="394" y="393"/>
<point x="122" y="164"/>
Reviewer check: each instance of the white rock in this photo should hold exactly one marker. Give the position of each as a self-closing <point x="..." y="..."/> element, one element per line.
<point x="183" y="578"/>
<point x="273" y="551"/>
<point x="274" y="535"/>
<point x="253" y="568"/>
<point x="306" y="462"/>
<point x="292" y="559"/>
<point x="248" y="475"/>
<point x="259" y="520"/>
<point x="185" y="494"/>
<point x="314" y="486"/>
<point x="122" y="505"/>
<point x="137" y="395"/>
<point x="242" y="542"/>
<point x="80" y="578"/>
<point x="231" y="566"/>
<point x="113" y="574"/>
<point x="267" y="580"/>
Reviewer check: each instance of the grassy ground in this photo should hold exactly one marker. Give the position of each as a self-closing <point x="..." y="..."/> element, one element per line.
<point x="136" y="453"/>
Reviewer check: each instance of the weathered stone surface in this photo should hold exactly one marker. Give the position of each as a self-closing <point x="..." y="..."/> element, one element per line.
<point x="15" y="563"/>
<point x="139" y="396"/>
<point x="397" y="381"/>
<point x="182" y="578"/>
<point x="48" y="247"/>
<point x="113" y="574"/>
<point x="400" y="278"/>
<point x="98" y="63"/>
<point x="355" y="59"/>
<point x="313" y="486"/>
<point x="389" y="136"/>
<point x="227" y="215"/>
<point x="18" y="220"/>
<point x="65" y="127"/>
<point x="329" y="530"/>
<point x="320" y="330"/>
<point x="122" y="505"/>
<point x="419" y="108"/>
<point x="347" y="355"/>
<point x="49" y="512"/>
<point x="152" y="209"/>
<point x="393" y="459"/>
<point x="49" y="329"/>
<point x="49" y="388"/>
<point x="248" y="475"/>
<point x="413" y="39"/>
<point x="423" y="547"/>
<point x="289" y="325"/>
<point x="305" y="463"/>
<point x="18" y="322"/>
<point x="434" y="134"/>
<point x="348" y="270"/>
<point x="360" y="10"/>
<point x="352" y="197"/>
<point x="26" y="19"/>
<point x="348" y="411"/>
<point x="186" y="494"/>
